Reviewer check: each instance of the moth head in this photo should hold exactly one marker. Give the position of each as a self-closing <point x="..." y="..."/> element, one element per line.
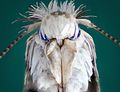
<point x="61" y="21"/>
<point x="58" y="25"/>
<point x="58" y="21"/>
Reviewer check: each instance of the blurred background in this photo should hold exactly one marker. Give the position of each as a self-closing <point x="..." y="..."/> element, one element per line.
<point x="12" y="66"/>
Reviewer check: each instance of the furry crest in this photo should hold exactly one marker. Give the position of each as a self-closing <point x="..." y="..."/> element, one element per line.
<point x="40" y="10"/>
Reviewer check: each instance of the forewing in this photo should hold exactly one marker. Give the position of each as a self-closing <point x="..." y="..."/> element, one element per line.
<point x="36" y="62"/>
<point x="94" y="79"/>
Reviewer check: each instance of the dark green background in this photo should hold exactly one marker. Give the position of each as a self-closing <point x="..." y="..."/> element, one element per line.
<point x="108" y="53"/>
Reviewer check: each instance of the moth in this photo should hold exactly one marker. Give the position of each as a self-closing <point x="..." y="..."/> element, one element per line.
<point x="60" y="56"/>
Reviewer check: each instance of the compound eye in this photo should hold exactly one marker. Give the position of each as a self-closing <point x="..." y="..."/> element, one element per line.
<point x="76" y="34"/>
<point x="43" y="37"/>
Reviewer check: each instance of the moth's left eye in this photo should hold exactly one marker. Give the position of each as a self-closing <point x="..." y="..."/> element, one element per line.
<point x="44" y="37"/>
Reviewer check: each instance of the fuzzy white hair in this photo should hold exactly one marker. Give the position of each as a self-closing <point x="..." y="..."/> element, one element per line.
<point x="40" y="10"/>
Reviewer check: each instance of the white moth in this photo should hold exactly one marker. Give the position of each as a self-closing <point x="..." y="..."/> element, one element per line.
<point x="60" y="57"/>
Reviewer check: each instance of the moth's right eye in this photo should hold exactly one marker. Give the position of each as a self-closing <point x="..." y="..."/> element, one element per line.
<point x="76" y="34"/>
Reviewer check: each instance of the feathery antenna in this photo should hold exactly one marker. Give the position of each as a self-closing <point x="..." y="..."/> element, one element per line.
<point x="13" y="44"/>
<point x="114" y="40"/>
<point x="89" y="24"/>
<point x="29" y="28"/>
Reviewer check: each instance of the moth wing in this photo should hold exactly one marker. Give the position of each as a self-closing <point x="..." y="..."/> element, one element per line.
<point x="35" y="62"/>
<point x="93" y="85"/>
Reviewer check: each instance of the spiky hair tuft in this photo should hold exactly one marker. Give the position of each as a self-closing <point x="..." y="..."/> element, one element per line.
<point x="40" y="10"/>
